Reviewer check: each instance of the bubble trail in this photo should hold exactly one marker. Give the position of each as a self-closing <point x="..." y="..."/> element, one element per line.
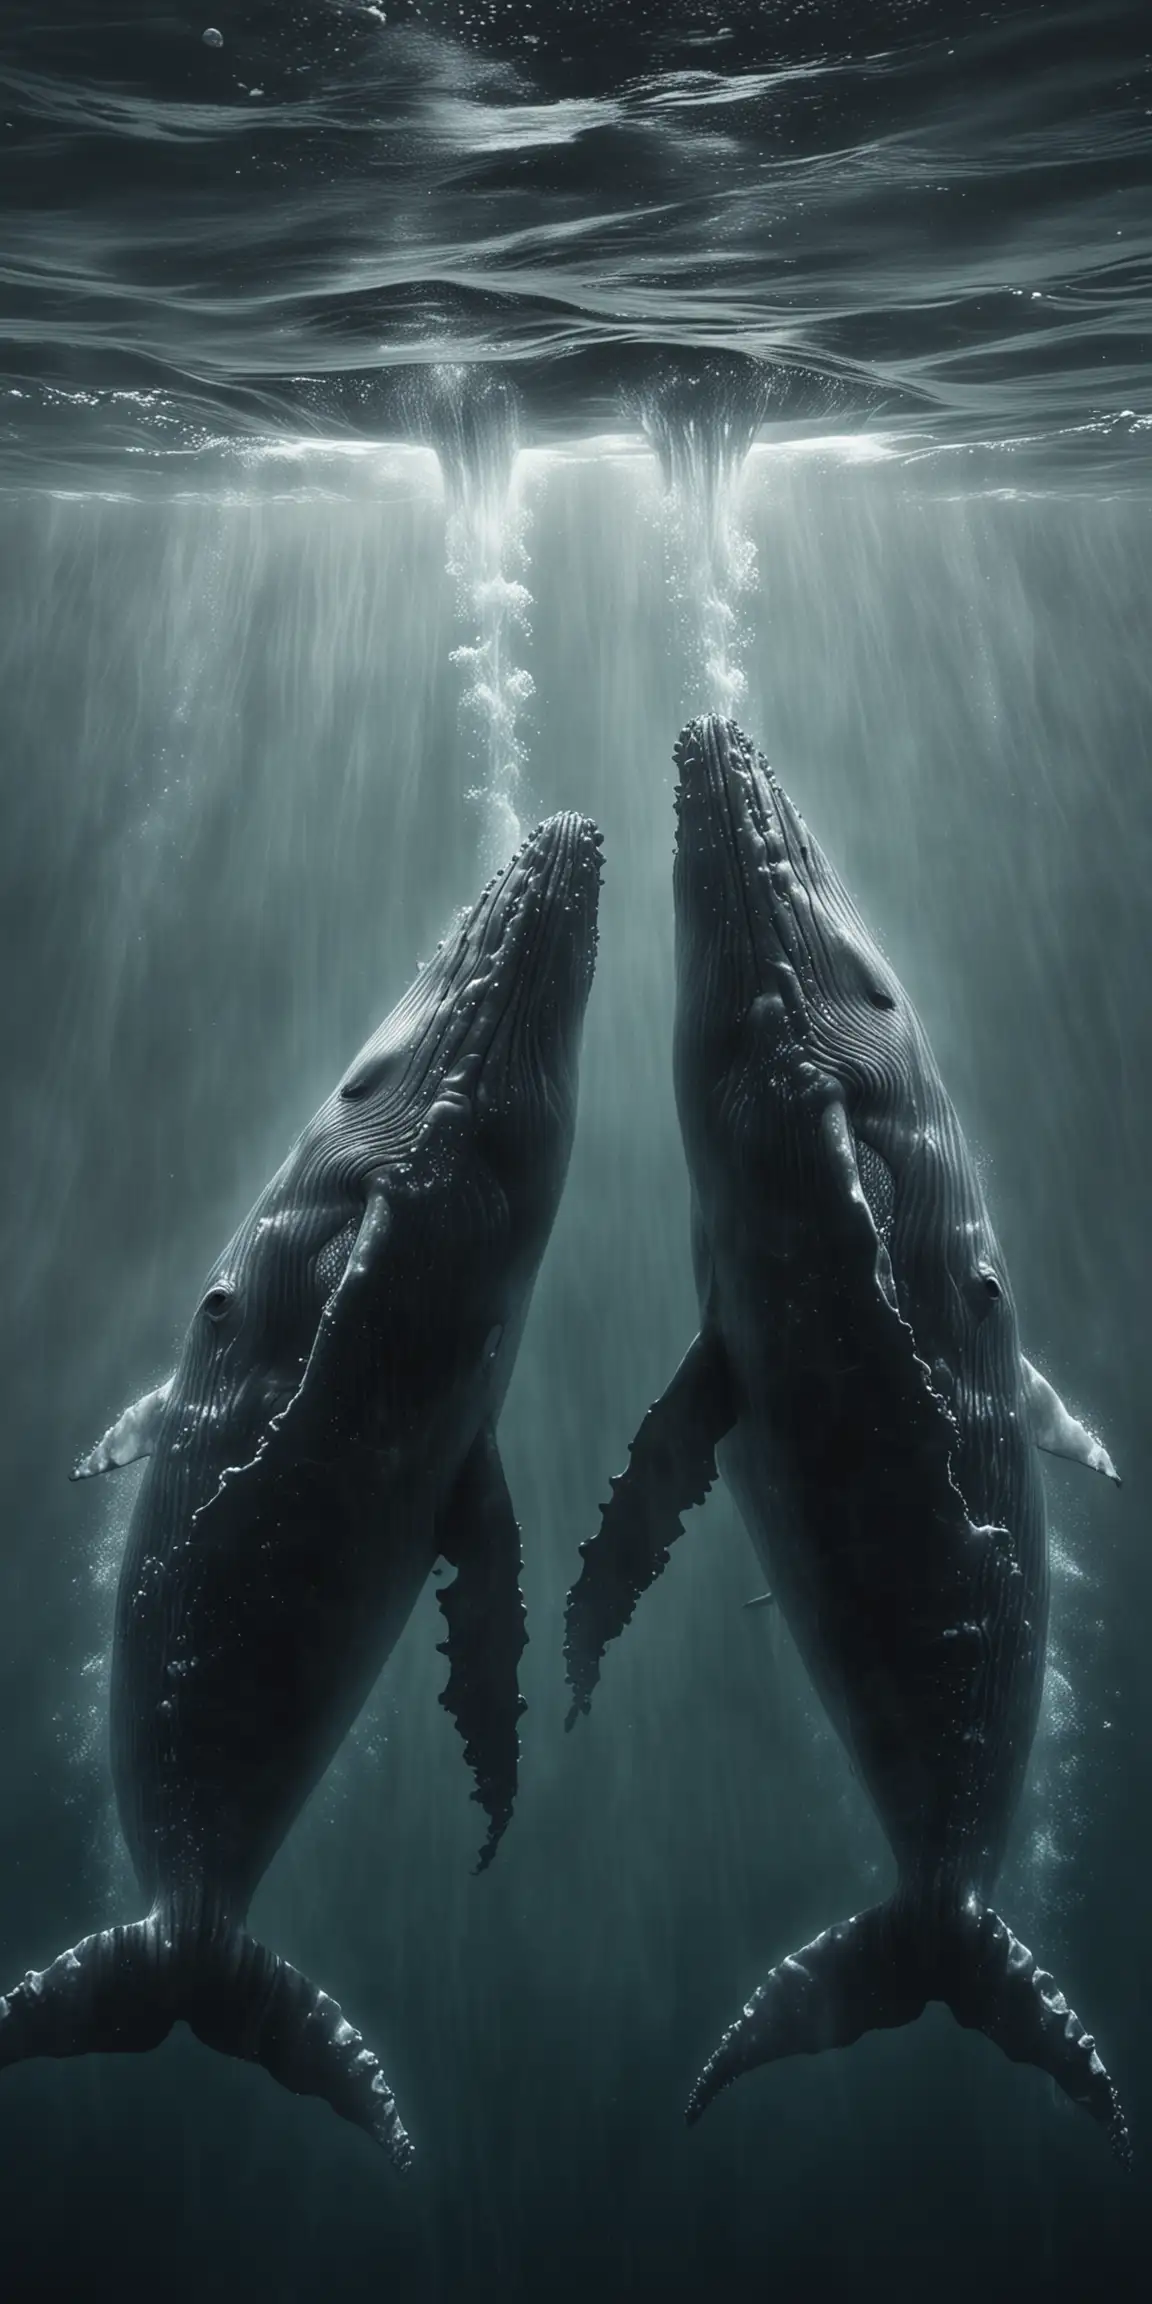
<point x="471" y="417"/>
<point x="701" y="421"/>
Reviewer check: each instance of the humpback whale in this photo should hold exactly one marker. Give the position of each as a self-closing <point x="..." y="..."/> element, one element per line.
<point x="857" y="1380"/>
<point x="328" y="1433"/>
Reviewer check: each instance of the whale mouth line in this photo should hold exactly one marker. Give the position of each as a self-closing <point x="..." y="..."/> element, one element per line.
<point x="713" y="797"/>
<point x="729" y="801"/>
<point x="555" y="868"/>
<point x="554" y="876"/>
<point x="444" y="1029"/>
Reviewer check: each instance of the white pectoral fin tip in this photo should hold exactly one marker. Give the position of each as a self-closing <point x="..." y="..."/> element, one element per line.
<point x="132" y="1435"/>
<point x="1059" y="1433"/>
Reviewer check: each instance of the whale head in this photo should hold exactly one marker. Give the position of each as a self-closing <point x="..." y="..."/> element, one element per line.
<point x="804" y="1072"/>
<point x="429" y="1178"/>
<point x="772" y="954"/>
<point x="485" y="1043"/>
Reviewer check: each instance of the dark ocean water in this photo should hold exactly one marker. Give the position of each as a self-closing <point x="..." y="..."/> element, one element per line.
<point x="276" y="684"/>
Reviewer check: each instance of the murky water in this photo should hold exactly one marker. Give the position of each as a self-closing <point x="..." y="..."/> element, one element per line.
<point x="271" y="701"/>
<point x="236" y="818"/>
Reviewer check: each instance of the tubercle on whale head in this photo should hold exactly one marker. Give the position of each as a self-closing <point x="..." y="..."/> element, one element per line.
<point x="738" y="993"/>
<point x="465" y="1102"/>
<point x="504" y="991"/>
<point x="543" y="967"/>
<point x="527" y="1041"/>
<point x="766" y="933"/>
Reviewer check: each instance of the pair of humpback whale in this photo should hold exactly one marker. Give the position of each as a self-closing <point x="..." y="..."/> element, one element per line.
<point x="329" y="1432"/>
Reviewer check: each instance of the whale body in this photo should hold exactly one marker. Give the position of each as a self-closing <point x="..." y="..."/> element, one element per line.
<point x="329" y="1431"/>
<point x="858" y="1381"/>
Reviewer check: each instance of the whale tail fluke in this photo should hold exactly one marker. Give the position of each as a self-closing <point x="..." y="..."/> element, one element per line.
<point x="125" y="1988"/>
<point x="881" y="1969"/>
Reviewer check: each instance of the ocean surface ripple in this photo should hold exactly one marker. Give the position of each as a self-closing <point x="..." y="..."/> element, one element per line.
<point x="922" y="208"/>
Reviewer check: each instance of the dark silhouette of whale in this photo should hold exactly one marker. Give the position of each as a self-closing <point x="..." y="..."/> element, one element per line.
<point x="858" y="1380"/>
<point x="328" y="1432"/>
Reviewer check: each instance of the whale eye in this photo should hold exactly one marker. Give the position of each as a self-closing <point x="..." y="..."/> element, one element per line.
<point x="217" y="1302"/>
<point x="992" y="1288"/>
<point x="376" y="1074"/>
<point x="879" y="997"/>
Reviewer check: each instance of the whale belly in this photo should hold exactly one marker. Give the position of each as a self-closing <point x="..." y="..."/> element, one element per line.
<point x="921" y="1633"/>
<point x="240" y="1666"/>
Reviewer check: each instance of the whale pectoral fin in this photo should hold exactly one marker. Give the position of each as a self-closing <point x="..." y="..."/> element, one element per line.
<point x="333" y="1406"/>
<point x="132" y="1435"/>
<point x="484" y="1612"/>
<point x="671" y="1466"/>
<point x="333" y="1400"/>
<point x="1057" y="1432"/>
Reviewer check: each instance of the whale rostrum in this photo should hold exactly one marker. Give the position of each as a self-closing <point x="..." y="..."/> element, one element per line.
<point x="858" y="1382"/>
<point x="328" y="1433"/>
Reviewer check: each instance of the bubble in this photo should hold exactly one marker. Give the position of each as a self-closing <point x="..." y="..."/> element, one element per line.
<point x="212" y="38"/>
